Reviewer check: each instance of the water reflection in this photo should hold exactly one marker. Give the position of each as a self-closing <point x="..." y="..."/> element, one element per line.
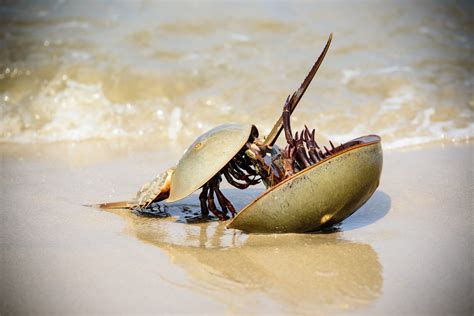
<point x="291" y="272"/>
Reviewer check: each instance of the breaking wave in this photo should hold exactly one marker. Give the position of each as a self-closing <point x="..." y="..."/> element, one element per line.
<point x="76" y="77"/>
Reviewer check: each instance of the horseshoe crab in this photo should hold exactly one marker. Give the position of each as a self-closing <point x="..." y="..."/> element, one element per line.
<point x="319" y="196"/>
<point x="309" y="187"/>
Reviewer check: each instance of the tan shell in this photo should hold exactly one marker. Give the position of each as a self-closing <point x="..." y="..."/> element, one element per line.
<point x="153" y="190"/>
<point x="319" y="196"/>
<point x="206" y="157"/>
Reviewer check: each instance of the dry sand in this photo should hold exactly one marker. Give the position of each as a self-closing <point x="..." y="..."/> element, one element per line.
<point x="407" y="251"/>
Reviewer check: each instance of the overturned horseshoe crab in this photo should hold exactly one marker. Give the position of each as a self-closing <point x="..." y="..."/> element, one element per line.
<point x="308" y="187"/>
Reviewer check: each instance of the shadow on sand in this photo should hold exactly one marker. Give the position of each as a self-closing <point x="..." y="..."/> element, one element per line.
<point x="375" y="209"/>
<point x="188" y="210"/>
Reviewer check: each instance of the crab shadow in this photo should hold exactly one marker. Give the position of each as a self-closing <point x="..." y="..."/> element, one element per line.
<point x="376" y="208"/>
<point x="187" y="211"/>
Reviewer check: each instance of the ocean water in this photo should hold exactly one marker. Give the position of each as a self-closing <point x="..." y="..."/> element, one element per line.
<point x="164" y="72"/>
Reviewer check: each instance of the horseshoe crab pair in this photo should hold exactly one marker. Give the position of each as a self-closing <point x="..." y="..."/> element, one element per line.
<point x="308" y="187"/>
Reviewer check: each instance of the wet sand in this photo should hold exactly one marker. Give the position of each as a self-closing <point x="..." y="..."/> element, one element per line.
<point x="407" y="251"/>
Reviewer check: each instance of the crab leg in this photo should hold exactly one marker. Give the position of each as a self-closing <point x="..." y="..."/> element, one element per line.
<point x="289" y="160"/>
<point x="244" y="163"/>
<point x="239" y="174"/>
<point x="236" y="172"/>
<point x="321" y="154"/>
<point x="313" y="139"/>
<point x="223" y="201"/>
<point x="212" y="205"/>
<point x="311" y="157"/>
<point x="301" y="156"/>
<point x="328" y="152"/>
<point x="236" y="184"/>
<point x="240" y="167"/>
<point x="295" y="142"/>
<point x="203" y="200"/>
<point x="311" y="144"/>
<point x="215" y="187"/>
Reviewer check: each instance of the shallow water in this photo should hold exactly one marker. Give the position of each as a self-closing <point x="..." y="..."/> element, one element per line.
<point x="163" y="73"/>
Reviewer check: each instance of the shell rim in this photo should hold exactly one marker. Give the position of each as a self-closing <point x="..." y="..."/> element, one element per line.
<point x="249" y="127"/>
<point x="378" y="140"/>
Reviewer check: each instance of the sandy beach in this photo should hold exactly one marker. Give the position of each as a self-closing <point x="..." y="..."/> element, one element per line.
<point x="408" y="250"/>
<point x="99" y="97"/>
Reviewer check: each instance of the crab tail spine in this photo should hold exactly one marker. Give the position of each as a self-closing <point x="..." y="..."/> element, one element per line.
<point x="114" y="205"/>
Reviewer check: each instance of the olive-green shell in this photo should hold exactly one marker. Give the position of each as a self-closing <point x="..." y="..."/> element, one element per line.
<point x="205" y="157"/>
<point x="319" y="196"/>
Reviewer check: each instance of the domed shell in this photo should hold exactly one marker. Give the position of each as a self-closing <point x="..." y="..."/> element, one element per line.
<point x="205" y="157"/>
<point x="319" y="196"/>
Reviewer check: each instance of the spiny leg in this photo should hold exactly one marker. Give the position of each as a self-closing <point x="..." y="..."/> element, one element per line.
<point x="214" y="184"/>
<point x="311" y="157"/>
<point x="244" y="163"/>
<point x="257" y="163"/>
<point x="311" y="144"/>
<point x="336" y="149"/>
<point x="223" y="201"/>
<point x="313" y="137"/>
<point x="289" y="160"/>
<point x="306" y="146"/>
<point x="244" y="166"/>
<point x="321" y="155"/>
<point x="212" y="206"/>
<point x="239" y="174"/>
<point x="301" y="156"/>
<point x="203" y="200"/>
<point x="231" y="181"/>
<point x="328" y="152"/>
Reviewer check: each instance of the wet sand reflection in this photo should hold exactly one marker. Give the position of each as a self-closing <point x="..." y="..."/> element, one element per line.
<point x="290" y="272"/>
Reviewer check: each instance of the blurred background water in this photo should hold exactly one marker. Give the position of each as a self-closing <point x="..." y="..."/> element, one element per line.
<point x="165" y="72"/>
